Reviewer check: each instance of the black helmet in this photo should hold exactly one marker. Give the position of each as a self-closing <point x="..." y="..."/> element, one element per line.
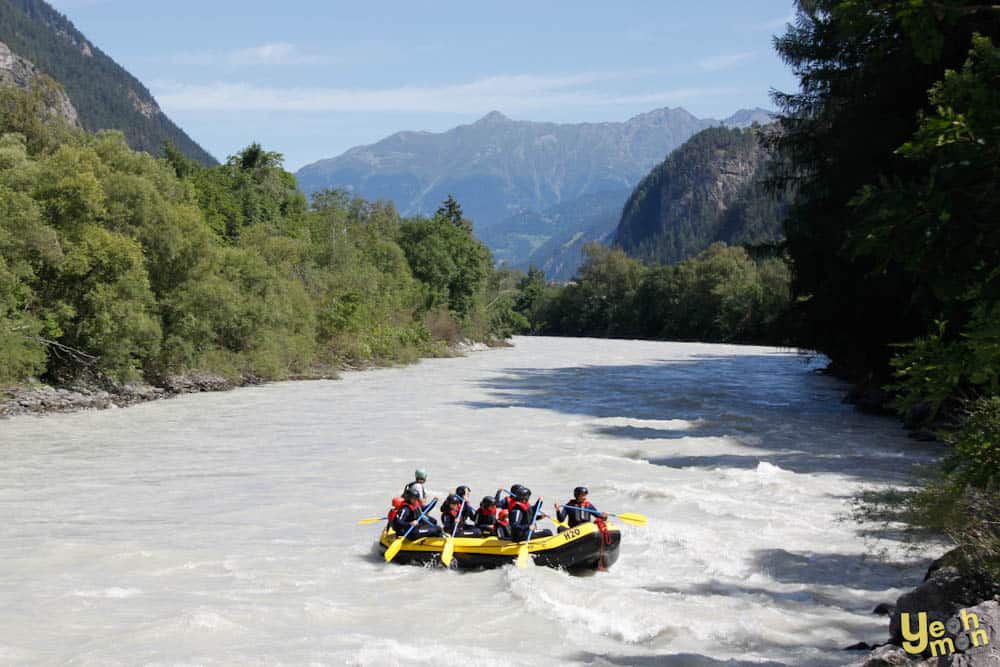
<point x="409" y="493"/>
<point x="514" y="488"/>
<point x="580" y="491"/>
<point x="461" y="491"/>
<point x="523" y="493"/>
<point x="487" y="501"/>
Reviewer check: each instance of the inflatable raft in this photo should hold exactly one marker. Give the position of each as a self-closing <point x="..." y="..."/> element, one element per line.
<point x="584" y="547"/>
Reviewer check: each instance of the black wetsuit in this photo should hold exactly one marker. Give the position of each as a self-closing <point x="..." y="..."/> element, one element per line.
<point x="449" y="519"/>
<point x="574" y="516"/>
<point x="520" y="516"/>
<point x="485" y="521"/>
<point x="407" y="514"/>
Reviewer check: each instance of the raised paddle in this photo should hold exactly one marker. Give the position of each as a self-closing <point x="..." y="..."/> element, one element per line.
<point x="522" y="552"/>
<point x="449" y="540"/>
<point x="397" y="544"/>
<point x="627" y="517"/>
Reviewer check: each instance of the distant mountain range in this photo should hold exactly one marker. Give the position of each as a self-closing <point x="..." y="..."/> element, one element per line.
<point x="36" y="37"/>
<point x="519" y="181"/>
<point x="710" y="189"/>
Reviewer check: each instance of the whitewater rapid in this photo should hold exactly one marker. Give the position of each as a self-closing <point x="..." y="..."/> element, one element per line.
<point x="222" y="529"/>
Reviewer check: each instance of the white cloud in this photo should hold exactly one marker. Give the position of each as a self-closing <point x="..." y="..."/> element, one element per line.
<point x="274" y="53"/>
<point x="728" y="61"/>
<point x="510" y="93"/>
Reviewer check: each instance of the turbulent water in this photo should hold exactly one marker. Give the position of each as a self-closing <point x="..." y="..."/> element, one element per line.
<point x="223" y="528"/>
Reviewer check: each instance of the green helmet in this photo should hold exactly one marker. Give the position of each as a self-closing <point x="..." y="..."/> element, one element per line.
<point x="420" y="474"/>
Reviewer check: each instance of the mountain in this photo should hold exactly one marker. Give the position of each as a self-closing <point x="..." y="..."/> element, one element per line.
<point x="537" y="192"/>
<point x="104" y="95"/>
<point x="498" y="167"/>
<point x="552" y="239"/>
<point x="710" y="189"/>
<point x="21" y="72"/>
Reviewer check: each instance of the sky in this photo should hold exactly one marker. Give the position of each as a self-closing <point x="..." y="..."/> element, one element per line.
<point x="312" y="78"/>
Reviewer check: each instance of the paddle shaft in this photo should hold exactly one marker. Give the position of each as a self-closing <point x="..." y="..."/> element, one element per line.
<point x="534" y="518"/>
<point x="427" y="509"/>
<point x="459" y="519"/>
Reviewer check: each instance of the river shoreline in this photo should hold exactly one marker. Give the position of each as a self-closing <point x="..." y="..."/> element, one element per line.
<point x="42" y="399"/>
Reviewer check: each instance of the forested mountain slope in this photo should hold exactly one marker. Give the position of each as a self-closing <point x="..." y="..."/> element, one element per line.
<point x="104" y="94"/>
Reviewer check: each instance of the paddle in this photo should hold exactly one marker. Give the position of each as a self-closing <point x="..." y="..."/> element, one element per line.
<point x="555" y="520"/>
<point x="627" y="517"/>
<point x="373" y="519"/>
<point x="397" y="544"/>
<point x="522" y="552"/>
<point x="449" y="540"/>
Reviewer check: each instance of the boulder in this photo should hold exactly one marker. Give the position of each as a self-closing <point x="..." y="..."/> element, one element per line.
<point x="943" y="593"/>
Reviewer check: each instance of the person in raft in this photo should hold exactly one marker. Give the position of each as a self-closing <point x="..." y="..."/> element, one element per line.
<point x="465" y="493"/>
<point x="503" y="525"/>
<point x="409" y="515"/>
<point x="572" y="513"/>
<point x="486" y="516"/>
<point x="506" y="500"/>
<point x="417" y="485"/>
<point x="521" y="514"/>
<point x="453" y="518"/>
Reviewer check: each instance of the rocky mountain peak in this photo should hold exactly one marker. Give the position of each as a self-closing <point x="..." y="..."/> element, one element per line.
<point x="493" y="118"/>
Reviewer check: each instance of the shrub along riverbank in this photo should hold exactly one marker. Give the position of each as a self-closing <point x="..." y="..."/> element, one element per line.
<point x="119" y="268"/>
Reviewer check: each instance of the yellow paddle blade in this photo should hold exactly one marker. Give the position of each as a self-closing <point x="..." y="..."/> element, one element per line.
<point x="371" y="520"/>
<point x="522" y="556"/>
<point x="448" y="551"/>
<point x="632" y="518"/>
<point x="556" y="521"/>
<point x="393" y="549"/>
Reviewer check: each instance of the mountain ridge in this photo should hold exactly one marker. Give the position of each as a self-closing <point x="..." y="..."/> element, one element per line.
<point x="499" y="168"/>
<point x="104" y="94"/>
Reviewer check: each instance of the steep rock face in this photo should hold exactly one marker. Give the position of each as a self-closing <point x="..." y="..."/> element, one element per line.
<point x="21" y="72"/>
<point x="103" y="93"/>
<point x="710" y="189"/>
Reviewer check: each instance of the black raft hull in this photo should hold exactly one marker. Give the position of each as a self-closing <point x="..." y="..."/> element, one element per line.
<point x="581" y="548"/>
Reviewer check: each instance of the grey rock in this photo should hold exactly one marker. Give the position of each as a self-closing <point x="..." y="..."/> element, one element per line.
<point x="884" y="609"/>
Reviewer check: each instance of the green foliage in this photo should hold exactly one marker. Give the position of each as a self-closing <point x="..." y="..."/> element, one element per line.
<point x="118" y="266"/>
<point x="975" y="460"/>
<point x="448" y="259"/>
<point x="721" y="294"/>
<point x="886" y="240"/>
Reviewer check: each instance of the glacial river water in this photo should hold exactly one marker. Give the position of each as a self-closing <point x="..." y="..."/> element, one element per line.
<point x="222" y="529"/>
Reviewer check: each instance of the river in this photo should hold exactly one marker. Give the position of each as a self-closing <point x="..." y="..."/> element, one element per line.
<point x="223" y="528"/>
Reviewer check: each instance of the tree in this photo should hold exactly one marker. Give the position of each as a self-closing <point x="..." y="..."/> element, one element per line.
<point x="451" y="211"/>
<point x="864" y="70"/>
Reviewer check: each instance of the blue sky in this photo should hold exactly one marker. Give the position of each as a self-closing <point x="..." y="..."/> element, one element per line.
<point x="311" y="79"/>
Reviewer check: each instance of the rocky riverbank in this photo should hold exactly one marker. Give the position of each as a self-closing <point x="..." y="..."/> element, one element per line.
<point x="44" y="399"/>
<point x="952" y="619"/>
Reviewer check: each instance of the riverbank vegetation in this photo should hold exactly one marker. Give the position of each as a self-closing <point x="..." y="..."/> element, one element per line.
<point x="893" y="147"/>
<point x="722" y="294"/>
<point x="116" y="267"/>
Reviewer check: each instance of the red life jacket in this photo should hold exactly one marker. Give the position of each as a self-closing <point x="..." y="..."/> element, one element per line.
<point x="397" y="502"/>
<point x="492" y="511"/>
<point x="524" y="506"/>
